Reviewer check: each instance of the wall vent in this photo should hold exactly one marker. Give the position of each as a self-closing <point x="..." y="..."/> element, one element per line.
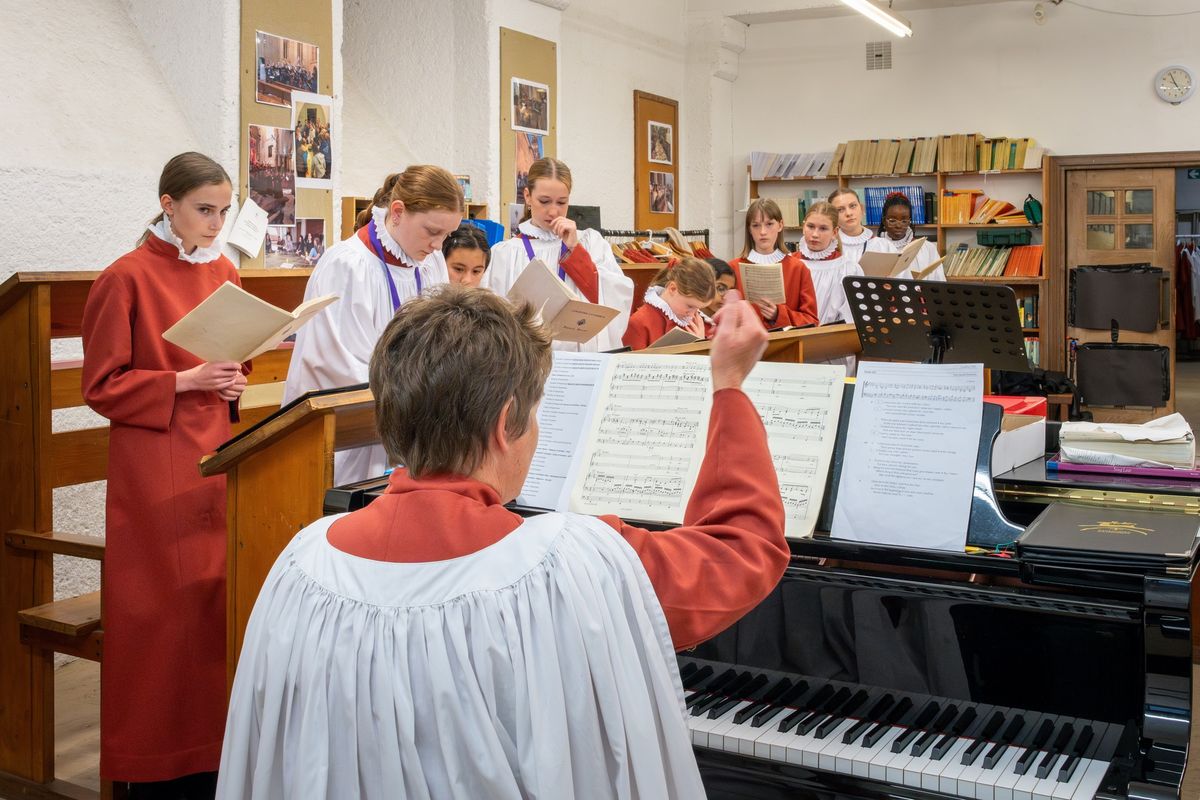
<point x="879" y="55"/>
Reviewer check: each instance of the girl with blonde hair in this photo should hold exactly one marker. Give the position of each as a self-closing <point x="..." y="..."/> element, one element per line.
<point x="676" y="299"/>
<point x="394" y="255"/>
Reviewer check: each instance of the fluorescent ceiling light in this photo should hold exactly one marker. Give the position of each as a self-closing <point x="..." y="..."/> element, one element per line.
<point x="889" y="19"/>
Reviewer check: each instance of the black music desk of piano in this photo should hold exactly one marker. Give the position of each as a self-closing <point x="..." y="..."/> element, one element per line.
<point x="879" y="672"/>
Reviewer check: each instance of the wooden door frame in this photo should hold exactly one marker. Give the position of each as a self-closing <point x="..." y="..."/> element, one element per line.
<point x="1055" y="234"/>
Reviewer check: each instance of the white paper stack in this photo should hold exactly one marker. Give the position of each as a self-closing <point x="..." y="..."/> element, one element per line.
<point x="1164" y="442"/>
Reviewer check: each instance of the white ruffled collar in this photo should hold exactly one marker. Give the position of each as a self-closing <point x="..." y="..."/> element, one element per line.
<point x="817" y="255"/>
<point x="379" y="214"/>
<point x="534" y="232"/>
<point x="654" y="299"/>
<point x="201" y="255"/>
<point x="864" y="237"/>
<point x="755" y="257"/>
<point x="900" y="244"/>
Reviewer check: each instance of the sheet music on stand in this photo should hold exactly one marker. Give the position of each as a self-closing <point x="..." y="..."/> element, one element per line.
<point x="937" y="322"/>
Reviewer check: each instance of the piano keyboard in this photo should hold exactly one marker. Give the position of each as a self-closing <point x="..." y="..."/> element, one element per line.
<point x="931" y="743"/>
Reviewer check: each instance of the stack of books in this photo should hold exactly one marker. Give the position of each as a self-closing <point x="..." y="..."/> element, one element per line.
<point x="988" y="209"/>
<point x="1009" y="154"/>
<point x="885" y="157"/>
<point x="977" y="262"/>
<point x="1163" y="442"/>
<point x="958" y="205"/>
<point x="1014" y="217"/>
<point x="1025" y="261"/>
<point x="875" y="196"/>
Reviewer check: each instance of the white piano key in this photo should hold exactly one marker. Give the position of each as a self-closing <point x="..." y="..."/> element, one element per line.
<point x="833" y="744"/>
<point x="933" y="776"/>
<point x="1090" y="775"/>
<point x="861" y="764"/>
<point x="1104" y="736"/>
<point x="895" y="767"/>
<point x="879" y="762"/>
<point x="948" y="779"/>
<point x="812" y="747"/>
<point x="701" y="727"/>
<point x="985" y="786"/>
<point x="1006" y="782"/>
<point x="725" y="725"/>
<point x="750" y="738"/>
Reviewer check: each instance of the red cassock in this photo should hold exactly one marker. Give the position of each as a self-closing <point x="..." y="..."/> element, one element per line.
<point x="162" y="700"/>
<point x="647" y="325"/>
<point x="727" y="556"/>
<point x="800" y="307"/>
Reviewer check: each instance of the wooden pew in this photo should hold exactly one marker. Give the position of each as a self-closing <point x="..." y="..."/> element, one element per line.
<point x="36" y="308"/>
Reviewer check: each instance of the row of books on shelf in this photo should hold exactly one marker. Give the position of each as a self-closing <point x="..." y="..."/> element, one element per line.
<point x="1027" y="308"/>
<point x="875" y="196"/>
<point x="984" y="262"/>
<point x="972" y="206"/>
<point x="785" y="166"/>
<point x="958" y="152"/>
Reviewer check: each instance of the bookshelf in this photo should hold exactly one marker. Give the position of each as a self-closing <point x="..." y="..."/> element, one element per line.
<point x="1010" y="185"/>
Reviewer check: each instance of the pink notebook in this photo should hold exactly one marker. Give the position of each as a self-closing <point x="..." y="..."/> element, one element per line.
<point x="1106" y="469"/>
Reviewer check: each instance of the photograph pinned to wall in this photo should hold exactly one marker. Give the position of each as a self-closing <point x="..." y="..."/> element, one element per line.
<point x="311" y="120"/>
<point x="661" y="143"/>
<point x="273" y="172"/>
<point x="515" y="212"/>
<point x="299" y="245"/>
<point x="530" y="107"/>
<point x="662" y="192"/>
<point x="530" y="147"/>
<point x="464" y="183"/>
<point x="283" y="65"/>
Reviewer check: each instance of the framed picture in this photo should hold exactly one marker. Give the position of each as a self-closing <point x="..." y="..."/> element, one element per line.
<point x="529" y="148"/>
<point x="530" y="107"/>
<point x="311" y="121"/>
<point x="272" y="171"/>
<point x="661" y="143"/>
<point x="464" y="182"/>
<point x="662" y="192"/>
<point x="283" y="65"/>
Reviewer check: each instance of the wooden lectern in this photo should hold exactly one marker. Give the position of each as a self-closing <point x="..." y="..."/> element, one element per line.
<point x="276" y="477"/>
<point x="804" y="345"/>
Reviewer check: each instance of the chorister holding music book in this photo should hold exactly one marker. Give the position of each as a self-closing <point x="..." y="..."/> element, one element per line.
<point x="626" y="433"/>
<point x="566" y="317"/>
<point x="673" y="337"/>
<point x="763" y="282"/>
<point x="885" y="265"/>
<point x="233" y="325"/>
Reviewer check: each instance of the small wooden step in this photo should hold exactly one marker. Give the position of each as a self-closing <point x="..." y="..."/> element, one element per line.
<point x="67" y="544"/>
<point x="75" y="617"/>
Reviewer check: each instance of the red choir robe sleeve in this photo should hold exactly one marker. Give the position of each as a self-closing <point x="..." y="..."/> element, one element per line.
<point x="730" y="551"/>
<point x="800" y="308"/>
<point x="579" y="266"/>
<point x="111" y="386"/>
<point x="646" y="326"/>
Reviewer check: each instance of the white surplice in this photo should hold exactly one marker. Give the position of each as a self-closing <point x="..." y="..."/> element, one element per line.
<point x="853" y="246"/>
<point x="334" y="349"/>
<point x="827" y="284"/>
<point x="538" y="667"/>
<point x="509" y="260"/>
<point x="925" y="256"/>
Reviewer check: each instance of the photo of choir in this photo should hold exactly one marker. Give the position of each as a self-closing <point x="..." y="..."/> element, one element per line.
<point x="283" y="65"/>
<point x="272" y="172"/>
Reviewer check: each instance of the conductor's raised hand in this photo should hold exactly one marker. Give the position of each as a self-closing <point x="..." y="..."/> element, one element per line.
<point x="211" y="376"/>
<point x="737" y="345"/>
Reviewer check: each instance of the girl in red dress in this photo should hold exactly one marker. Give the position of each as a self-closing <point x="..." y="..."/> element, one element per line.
<point x="674" y="300"/>
<point x="162" y="701"/>
<point x="764" y="245"/>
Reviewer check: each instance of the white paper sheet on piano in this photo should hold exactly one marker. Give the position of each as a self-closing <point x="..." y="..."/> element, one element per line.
<point x="911" y="447"/>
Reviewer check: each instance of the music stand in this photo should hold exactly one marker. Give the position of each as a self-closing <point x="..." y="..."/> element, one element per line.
<point x="937" y="322"/>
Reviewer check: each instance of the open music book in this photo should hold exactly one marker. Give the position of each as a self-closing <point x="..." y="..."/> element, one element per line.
<point x="763" y="282"/>
<point x="233" y="325"/>
<point x="883" y="265"/>
<point x="568" y="318"/>
<point x="673" y="337"/>
<point x="625" y="434"/>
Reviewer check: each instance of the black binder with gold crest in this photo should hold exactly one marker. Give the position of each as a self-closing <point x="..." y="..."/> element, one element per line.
<point x="1082" y="535"/>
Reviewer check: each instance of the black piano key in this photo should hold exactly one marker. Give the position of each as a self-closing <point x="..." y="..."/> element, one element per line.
<point x="696" y="677"/>
<point x="747" y="692"/>
<point x="957" y="729"/>
<point x="838" y="717"/>
<point x="714" y="685"/>
<point x="1060" y="744"/>
<point x="899" y="710"/>
<point x="772" y="694"/>
<point x="686" y="671"/>
<point x="785" y="700"/>
<point x="1044" y="732"/>
<point x="994" y="724"/>
<point x="923" y="718"/>
<point x="940" y="724"/>
<point x="819" y="696"/>
<point x="1015" y="725"/>
<point x="714" y="697"/>
<point x="817" y="715"/>
<point x="870" y="718"/>
<point x="1076" y="755"/>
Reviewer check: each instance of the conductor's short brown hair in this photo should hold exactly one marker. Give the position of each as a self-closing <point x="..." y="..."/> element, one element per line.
<point x="444" y="369"/>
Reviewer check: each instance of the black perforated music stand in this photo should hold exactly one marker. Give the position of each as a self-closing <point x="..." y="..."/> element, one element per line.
<point x="937" y="322"/>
